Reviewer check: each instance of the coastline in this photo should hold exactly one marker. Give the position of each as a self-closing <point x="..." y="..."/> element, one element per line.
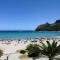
<point x="10" y="47"/>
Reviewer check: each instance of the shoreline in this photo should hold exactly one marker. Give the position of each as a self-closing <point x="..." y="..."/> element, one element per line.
<point x="29" y="39"/>
<point x="10" y="47"/>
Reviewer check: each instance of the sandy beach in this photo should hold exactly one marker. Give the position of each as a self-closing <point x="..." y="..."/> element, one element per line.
<point x="10" y="48"/>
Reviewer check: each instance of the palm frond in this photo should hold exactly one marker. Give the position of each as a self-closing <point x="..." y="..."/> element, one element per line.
<point x="50" y="49"/>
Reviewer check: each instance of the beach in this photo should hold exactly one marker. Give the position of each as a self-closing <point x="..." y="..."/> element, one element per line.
<point x="10" y="47"/>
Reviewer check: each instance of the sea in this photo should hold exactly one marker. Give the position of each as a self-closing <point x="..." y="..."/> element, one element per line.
<point x="28" y="34"/>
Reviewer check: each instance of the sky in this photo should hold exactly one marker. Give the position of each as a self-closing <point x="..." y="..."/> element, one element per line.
<point x="27" y="14"/>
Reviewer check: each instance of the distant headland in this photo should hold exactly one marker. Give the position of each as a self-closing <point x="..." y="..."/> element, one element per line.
<point x="49" y="27"/>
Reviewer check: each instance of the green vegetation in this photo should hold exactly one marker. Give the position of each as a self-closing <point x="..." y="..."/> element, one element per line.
<point x="1" y="53"/>
<point x="22" y="51"/>
<point x="50" y="50"/>
<point x="33" y="51"/>
<point x="24" y="55"/>
<point x="49" y="27"/>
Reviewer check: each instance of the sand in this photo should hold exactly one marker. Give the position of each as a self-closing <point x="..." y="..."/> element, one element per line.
<point x="10" y="49"/>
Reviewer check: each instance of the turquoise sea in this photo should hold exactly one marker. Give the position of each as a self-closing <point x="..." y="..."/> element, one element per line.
<point x="27" y="34"/>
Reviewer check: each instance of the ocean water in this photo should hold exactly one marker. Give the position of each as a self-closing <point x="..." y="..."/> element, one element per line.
<point x="27" y="34"/>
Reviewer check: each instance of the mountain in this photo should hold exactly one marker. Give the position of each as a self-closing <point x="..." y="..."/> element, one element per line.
<point x="49" y="27"/>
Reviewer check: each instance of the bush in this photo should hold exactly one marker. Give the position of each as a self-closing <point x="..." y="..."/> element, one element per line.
<point x="22" y="51"/>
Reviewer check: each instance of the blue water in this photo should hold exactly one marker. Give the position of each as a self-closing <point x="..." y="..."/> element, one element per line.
<point x="27" y="34"/>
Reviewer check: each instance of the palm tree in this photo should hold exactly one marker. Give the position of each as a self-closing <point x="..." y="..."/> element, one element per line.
<point x="33" y="51"/>
<point x="50" y="50"/>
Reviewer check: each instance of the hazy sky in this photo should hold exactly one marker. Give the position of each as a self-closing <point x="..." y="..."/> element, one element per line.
<point x="27" y="14"/>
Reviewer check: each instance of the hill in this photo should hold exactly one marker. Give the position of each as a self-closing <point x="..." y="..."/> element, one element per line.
<point x="49" y="27"/>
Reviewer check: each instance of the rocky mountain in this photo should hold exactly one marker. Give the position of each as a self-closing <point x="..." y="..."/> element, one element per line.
<point x="49" y="27"/>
